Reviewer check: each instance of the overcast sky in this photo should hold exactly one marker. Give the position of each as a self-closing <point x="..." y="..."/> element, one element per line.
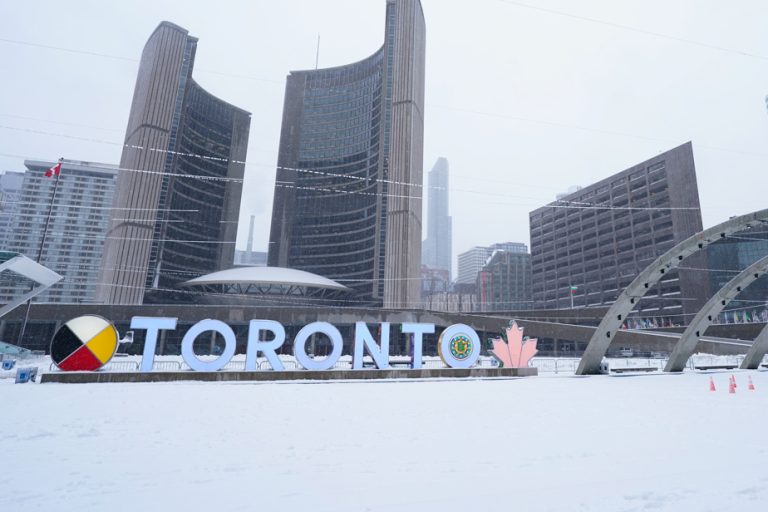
<point x="522" y="102"/>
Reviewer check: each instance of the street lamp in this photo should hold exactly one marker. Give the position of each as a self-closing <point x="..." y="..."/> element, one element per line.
<point x="573" y="292"/>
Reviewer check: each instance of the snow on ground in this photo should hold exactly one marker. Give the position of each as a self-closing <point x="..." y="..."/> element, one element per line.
<point x="605" y="443"/>
<point x="545" y="365"/>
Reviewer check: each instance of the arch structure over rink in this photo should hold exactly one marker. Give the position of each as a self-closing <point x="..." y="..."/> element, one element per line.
<point x="686" y="345"/>
<point x="671" y="260"/>
<point x="756" y="352"/>
<point x="19" y="268"/>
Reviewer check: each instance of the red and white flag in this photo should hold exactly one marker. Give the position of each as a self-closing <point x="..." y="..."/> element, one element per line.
<point x="53" y="171"/>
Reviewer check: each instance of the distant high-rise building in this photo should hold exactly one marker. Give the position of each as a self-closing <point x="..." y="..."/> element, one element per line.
<point x="470" y="263"/>
<point x="249" y="247"/>
<point x="348" y="195"/>
<point x="473" y="260"/>
<point x="504" y="283"/>
<point x="177" y="203"/>
<point x="249" y="257"/>
<point x="75" y="240"/>
<point x="10" y="193"/>
<point x="589" y="245"/>
<point x="436" y="252"/>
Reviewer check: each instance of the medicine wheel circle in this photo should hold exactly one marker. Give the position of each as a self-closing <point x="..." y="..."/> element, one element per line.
<point x="85" y="343"/>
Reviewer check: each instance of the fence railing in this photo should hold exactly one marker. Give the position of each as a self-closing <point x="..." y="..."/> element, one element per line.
<point x="556" y="365"/>
<point x="121" y="366"/>
<point x="166" y="366"/>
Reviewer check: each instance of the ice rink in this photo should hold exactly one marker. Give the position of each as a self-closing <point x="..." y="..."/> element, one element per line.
<point x="560" y="443"/>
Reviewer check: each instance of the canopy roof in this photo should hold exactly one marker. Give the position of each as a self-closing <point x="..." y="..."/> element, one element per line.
<point x="264" y="276"/>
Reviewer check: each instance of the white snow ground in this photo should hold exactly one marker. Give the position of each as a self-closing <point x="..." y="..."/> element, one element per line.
<point x="618" y="443"/>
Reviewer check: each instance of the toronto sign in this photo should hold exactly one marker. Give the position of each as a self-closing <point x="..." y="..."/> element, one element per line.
<point x="89" y="342"/>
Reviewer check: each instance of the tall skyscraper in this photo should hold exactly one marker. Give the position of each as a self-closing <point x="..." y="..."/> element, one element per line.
<point x="436" y="252"/>
<point x="472" y="261"/>
<point x="75" y="240"/>
<point x="600" y="237"/>
<point x="178" y="196"/>
<point x="348" y="192"/>
<point x="10" y="193"/>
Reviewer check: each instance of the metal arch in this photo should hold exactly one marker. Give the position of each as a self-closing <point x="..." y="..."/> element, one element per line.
<point x="617" y="314"/>
<point x="690" y="338"/>
<point x="756" y="351"/>
<point x="42" y="276"/>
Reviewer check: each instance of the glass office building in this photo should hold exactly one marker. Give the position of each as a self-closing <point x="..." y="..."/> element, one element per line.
<point x="348" y="187"/>
<point x="728" y="257"/>
<point x="504" y="283"/>
<point x="471" y="262"/>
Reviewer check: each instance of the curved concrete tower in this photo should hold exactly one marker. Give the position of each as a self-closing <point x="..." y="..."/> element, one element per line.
<point x="177" y="198"/>
<point x="348" y="192"/>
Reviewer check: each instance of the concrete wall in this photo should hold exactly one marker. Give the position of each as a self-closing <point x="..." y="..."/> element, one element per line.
<point x="402" y="288"/>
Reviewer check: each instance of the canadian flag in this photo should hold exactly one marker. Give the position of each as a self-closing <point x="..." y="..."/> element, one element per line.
<point x="53" y="171"/>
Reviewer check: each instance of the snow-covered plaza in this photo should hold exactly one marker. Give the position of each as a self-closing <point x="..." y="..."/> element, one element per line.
<point x="608" y="443"/>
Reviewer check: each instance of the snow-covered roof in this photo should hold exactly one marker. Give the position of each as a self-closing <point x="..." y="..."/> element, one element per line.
<point x="266" y="276"/>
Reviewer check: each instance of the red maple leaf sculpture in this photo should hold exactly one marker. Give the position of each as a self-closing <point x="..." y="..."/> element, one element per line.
<point x="515" y="352"/>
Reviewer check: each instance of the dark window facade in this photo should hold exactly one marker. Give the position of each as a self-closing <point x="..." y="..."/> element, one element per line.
<point x="731" y="255"/>
<point x="189" y="236"/>
<point x="340" y="155"/>
<point x="335" y="182"/>
<point x="504" y="283"/>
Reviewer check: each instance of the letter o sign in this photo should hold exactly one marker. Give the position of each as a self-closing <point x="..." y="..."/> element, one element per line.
<point x="300" y="349"/>
<point x="459" y="346"/>
<point x="230" y="343"/>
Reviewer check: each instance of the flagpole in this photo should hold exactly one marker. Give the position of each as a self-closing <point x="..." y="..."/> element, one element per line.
<point x="40" y="249"/>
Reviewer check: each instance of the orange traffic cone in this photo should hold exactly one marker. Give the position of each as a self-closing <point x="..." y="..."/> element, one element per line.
<point x="751" y="386"/>
<point x="732" y="387"/>
<point x="711" y="384"/>
<point x="733" y="379"/>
